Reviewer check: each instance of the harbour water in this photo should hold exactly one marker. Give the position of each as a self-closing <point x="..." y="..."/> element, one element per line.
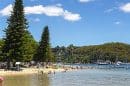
<point x="27" y="80"/>
<point x="84" y="77"/>
<point x="92" y="77"/>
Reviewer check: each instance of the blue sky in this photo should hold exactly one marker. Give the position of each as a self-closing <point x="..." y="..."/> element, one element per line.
<point x="78" y="22"/>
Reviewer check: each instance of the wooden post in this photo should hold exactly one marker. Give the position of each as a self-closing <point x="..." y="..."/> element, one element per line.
<point x="1" y="81"/>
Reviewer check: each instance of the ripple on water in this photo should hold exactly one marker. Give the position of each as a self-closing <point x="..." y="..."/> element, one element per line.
<point x="93" y="77"/>
<point x="89" y="77"/>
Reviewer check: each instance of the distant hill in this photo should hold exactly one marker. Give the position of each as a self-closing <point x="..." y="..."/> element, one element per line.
<point x="108" y="51"/>
<point x="114" y="51"/>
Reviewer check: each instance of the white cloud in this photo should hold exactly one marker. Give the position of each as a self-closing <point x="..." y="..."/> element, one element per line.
<point x="7" y="10"/>
<point x="70" y="16"/>
<point x="34" y="9"/>
<point x="125" y="7"/>
<point x="46" y="10"/>
<point x="85" y="1"/>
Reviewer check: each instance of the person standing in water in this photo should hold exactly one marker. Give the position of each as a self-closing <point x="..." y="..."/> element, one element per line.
<point x="1" y="81"/>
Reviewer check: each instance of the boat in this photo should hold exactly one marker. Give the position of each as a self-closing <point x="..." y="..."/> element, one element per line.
<point x="118" y="63"/>
<point x="101" y="62"/>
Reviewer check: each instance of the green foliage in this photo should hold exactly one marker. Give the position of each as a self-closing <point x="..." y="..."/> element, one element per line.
<point x="29" y="47"/>
<point x="19" y="45"/>
<point x="18" y="42"/>
<point x="44" y="53"/>
<point x="108" y="51"/>
<point x="1" y="45"/>
<point x="90" y="54"/>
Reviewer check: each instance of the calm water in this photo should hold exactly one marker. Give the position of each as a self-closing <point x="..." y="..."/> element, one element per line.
<point x="93" y="77"/>
<point x="89" y="77"/>
<point x="27" y="80"/>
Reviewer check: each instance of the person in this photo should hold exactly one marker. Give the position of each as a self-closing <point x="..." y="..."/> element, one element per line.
<point x="1" y="80"/>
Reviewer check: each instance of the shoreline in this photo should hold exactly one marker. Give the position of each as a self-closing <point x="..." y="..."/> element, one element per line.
<point x="29" y="71"/>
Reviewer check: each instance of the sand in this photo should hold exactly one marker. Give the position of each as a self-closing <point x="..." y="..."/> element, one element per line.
<point x="31" y="71"/>
<point x="26" y="71"/>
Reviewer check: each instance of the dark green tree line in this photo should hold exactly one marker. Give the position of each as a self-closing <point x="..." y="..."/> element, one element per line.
<point x="90" y="54"/>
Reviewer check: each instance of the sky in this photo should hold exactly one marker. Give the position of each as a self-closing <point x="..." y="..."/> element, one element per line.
<point x="78" y="22"/>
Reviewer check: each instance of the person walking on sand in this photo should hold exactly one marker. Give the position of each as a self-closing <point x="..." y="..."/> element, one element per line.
<point x="1" y="81"/>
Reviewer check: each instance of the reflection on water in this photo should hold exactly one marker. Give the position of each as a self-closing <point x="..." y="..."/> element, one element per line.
<point x="27" y="80"/>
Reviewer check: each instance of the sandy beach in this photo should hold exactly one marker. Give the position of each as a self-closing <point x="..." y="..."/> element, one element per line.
<point x="31" y="71"/>
<point x="35" y="71"/>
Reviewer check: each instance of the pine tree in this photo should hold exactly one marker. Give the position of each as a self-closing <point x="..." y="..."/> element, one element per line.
<point x="44" y="53"/>
<point x="29" y="47"/>
<point x="17" y="36"/>
<point x="1" y="45"/>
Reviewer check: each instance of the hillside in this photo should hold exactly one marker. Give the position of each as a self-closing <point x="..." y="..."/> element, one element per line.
<point x="108" y="51"/>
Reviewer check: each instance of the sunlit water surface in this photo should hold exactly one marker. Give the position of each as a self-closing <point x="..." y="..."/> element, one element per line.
<point x="86" y="77"/>
<point x="92" y="77"/>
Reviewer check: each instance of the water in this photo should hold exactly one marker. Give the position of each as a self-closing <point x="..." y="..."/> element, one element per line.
<point x="92" y="77"/>
<point x="85" y="77"/>
<point x="110" y="66"/>
<point x="26" y="80"/>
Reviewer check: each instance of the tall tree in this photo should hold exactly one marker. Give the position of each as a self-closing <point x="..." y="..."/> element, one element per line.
<point x="44" y="53"/>
<point x="29" y="47"/>
<point x="1" y="45"/>
<point x="17" y="36"/>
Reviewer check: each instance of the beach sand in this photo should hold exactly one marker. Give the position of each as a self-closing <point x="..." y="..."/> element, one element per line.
<point x="32" y="71"/>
